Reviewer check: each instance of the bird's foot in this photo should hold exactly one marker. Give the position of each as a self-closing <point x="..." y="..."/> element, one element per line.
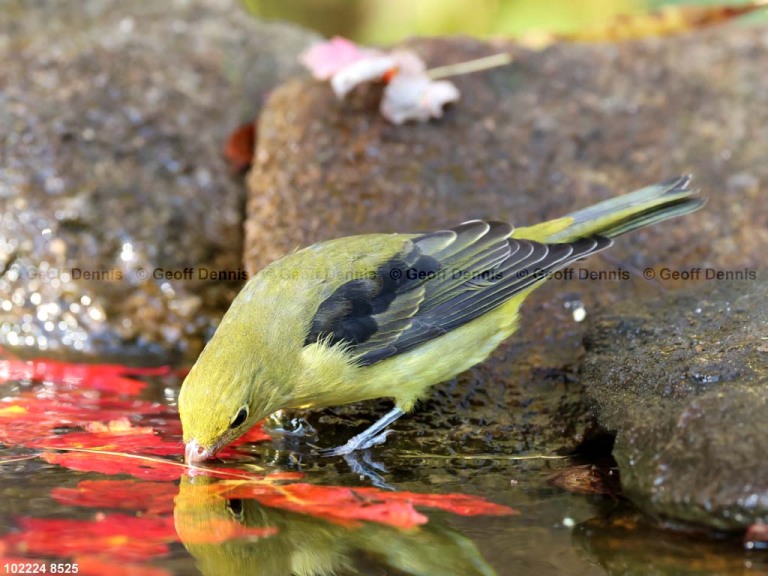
<point x="359" y="442"/>
<point x="294" y="428"/>
<point x="367" y="468"/>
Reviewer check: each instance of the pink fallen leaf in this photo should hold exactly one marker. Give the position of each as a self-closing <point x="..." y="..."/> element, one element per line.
<point x="412" y="92"/>
<point x="416" y="97"/>
<point x="348" y="65"/>
<point x="408" y="62"/>
<point x="328" y="58"/>
<point x="376" y="67"/>
<point x="360" y="72"/>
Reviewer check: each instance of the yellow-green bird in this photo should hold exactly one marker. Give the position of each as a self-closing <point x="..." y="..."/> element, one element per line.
<point x="387" y="315"/>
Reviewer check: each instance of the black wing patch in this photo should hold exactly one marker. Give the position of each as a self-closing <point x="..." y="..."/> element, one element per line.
<point x="438" y="282"/>
<point x="349" y="314"/>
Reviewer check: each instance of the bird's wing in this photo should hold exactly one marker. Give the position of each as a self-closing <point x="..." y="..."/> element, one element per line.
<point x="438" y="282"/>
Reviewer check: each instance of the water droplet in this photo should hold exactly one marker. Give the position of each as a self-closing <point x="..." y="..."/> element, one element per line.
<point x="96" y="314"/>
<point x="127" y="254"/>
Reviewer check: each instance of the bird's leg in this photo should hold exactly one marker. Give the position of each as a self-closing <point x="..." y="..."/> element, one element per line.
<point x="371" y="436"/>
<point x="289" y="426"/>
<point x="367" y="468"/>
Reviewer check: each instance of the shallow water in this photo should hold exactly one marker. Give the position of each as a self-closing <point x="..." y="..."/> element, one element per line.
<point x="152" y="522"/>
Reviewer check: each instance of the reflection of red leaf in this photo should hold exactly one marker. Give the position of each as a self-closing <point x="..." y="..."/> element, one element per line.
<point x="96" y="565"/>
<point x="101" y="430"/>
<point x="350" y="505"/>
<point x="109" y="377"/>
<point x="462" y="504"/>
<point x="147" y="497"/>
<point x="120" y="536"/>
<point x="220" y="530"/>
<point x="240" y="147"/>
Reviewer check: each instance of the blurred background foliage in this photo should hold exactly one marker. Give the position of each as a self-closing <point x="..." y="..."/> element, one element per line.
<point x="388" y="21"/>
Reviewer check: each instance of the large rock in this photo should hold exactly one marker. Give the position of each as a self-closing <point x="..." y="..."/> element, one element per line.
<point x="554" y="131"/>
<point x="113" y="126"/>
<point x="683" y="381"/>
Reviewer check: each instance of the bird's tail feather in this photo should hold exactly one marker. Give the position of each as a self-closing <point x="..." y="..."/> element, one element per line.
<point x="628" y="212"/>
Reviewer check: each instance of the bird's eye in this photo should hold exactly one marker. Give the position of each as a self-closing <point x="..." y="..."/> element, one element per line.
<point x="235" y="506"/>
<point x="240" y="418"/>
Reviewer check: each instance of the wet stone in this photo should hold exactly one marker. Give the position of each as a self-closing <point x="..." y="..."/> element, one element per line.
<point x="683" y="382"/>
<point x="555" y="131"/>
<point x="626" y="543"/>
<point x="112" y="175"/>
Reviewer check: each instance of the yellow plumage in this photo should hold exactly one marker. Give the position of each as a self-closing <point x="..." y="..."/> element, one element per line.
<point x="387" y="315"/>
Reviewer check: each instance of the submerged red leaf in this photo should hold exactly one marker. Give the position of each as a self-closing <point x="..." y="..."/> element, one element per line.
<point x="35" y="420"/>
<point x="255" y="434"/>
<point x="118" y="535"/>
<point x="128" y="443"/>
<point x="99" y="429"/>
<point x="87" y="408"/>
<point x="157" y="470"/>
<point x="120" y="426"/>
<point x="98" y="565"/>
<point x="147" y="497"/>
<point x="108" y="377"/>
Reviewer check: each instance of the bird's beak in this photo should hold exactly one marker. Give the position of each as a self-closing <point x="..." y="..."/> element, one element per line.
<point x="194" y="453"/>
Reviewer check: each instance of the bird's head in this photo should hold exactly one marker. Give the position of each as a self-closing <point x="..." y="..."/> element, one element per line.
<point x="223" y="396"/>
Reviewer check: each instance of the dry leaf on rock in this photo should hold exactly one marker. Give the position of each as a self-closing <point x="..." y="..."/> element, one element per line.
<point x="416" y="98"/>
